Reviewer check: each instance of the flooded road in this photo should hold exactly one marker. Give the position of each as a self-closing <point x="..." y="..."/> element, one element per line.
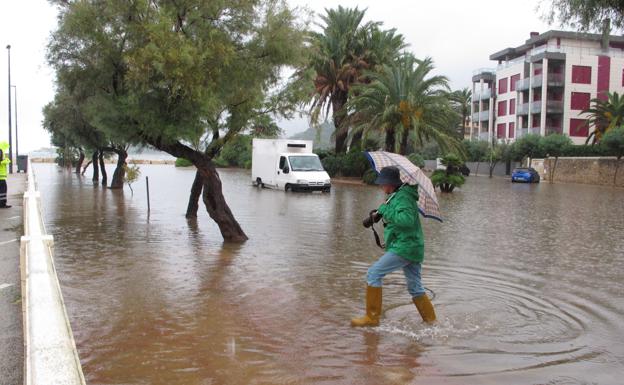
<point x="528" y="283"/>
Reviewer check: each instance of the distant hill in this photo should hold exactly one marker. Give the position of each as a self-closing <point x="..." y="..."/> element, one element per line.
<point x="321" y="135"/>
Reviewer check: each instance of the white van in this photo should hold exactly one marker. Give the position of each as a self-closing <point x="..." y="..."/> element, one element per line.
<point x="287" y="164"/>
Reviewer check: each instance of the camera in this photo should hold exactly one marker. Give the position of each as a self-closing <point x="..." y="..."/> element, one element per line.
<point x="373" y="217"/>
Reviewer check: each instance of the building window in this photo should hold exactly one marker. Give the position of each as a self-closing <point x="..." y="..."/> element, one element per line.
<point x="500" y="130"/>
<point x="512" y="106"/>
<point x="580" y="100"/>
<point x="579" y="127"/>
<point x="512" y="127"/>
<point x="502" y="108"/>
<point x="581" y="74"/>
<point x="537" y="71"/>
<point x="502" y="86"/>
<point x="512" y="82"/>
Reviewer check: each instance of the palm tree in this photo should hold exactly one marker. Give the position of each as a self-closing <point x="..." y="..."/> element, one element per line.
<point x="403" y="99"/>
<point x="461" y="99"/>
<point x="344" y="49"/>
<point x="605" y="115"/>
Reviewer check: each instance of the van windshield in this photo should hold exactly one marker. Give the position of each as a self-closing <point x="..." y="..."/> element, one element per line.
<point x="305" y="163"/>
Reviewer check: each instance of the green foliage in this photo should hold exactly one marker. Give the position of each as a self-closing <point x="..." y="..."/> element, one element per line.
<point x="417" y="160"/>
<point x="450" y="178"/>
<point x="528" y="145"/>
<point x="332" y="164"/>
<point x="181" y="162"/>
<point x="163" y="72"/>
<point x="131" y="175"/>
<point x="445" y="181"/>
<point x="354" y="163"/>
<point x="555" y="145"/>
<point x="404" y="98"/>
<point x="613" y="142"/>
<point x="351" y="164"/>
<point x="586" y="14"/>
<point x="605" y="115"/>
<point x="369" y="176"/>
<point x="344" y="48"/>
<point x="460" y="101"/>
<point x="476" y="150"/>
<point x="237" y="152"/>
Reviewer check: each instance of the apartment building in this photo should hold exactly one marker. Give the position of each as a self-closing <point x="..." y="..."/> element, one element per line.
<point x="542" y="86"/>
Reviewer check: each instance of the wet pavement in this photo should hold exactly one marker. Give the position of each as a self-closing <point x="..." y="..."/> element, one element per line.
<point x="527" y="282"/>
<point x="11" y="338"/>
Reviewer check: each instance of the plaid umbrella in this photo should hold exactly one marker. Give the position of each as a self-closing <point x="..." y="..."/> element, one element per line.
<point x="410" y="174"/>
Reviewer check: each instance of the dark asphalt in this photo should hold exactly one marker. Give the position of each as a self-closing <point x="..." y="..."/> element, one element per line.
<point x="11" y="338"/>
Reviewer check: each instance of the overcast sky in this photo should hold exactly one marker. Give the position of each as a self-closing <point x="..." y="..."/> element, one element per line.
<point x="458" y="35"/>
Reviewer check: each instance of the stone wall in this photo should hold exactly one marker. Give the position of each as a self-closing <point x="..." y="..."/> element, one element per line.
<point x="598" y="171"/>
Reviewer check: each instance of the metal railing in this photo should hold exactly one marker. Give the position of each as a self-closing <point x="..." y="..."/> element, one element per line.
<point x="50" y="355"/>
<point x="584" y="51"/>
<point x="536" y="107"/>
<point x="480" y="71"/>
<point x="523" y="84"/>
<point x="553" y="130"/>
<point x="522" y="109"/>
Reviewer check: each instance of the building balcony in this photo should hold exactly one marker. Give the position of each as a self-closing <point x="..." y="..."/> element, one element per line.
<point x="523" y="84"/>
<point x="554" y="80"/>
<point x="522" y="109"/>
<point x="554" y="107"/>
<point x="486" y="94"/>
<point x="521" y="132"/>
<point x="553" y="130"/>
<point x="484" y="136"/>
<point x="535" y="130"/>
<point x="482" y="116"/>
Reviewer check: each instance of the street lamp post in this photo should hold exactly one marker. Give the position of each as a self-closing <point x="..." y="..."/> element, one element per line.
<point x="16" y="134"/>
<point x="10" y="127"/>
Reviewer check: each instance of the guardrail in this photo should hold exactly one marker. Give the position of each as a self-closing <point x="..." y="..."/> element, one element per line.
<point x="50" y="355"/>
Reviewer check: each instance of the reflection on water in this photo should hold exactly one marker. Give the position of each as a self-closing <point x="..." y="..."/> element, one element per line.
<point x="528" y="283"/>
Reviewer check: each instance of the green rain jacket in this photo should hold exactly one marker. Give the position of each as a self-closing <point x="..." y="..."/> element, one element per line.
<point x="403" y="233"/>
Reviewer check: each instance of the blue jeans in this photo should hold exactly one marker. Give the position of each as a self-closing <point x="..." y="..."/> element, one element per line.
<point x="390" y="262"/>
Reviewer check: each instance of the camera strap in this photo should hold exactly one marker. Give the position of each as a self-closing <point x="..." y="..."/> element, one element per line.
<point x="377" y="238"/>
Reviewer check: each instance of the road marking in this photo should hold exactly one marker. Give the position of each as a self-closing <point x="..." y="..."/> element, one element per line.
<point x="7" y="242"/>
<point x="5" y="285"/>
<point x="15" y="217"/>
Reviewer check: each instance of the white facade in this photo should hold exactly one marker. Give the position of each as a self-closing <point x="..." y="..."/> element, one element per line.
<point x="558" y="74"/>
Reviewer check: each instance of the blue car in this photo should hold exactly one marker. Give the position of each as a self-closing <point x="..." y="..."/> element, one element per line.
<point x="526" y="175"/>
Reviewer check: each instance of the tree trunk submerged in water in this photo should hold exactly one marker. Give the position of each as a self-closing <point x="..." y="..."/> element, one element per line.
<point x="102" y="168"/>
<point x="213" y="198"/>
<point x="196" y="192"/>
<point x="80" y="161"/>
<point x="120" y="170"/>
<point x="96" y="169"/>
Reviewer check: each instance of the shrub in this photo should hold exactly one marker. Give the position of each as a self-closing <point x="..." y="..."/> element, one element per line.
<point x="417" y="160"/>
<point x="237" y="152"/>
<point x="369" y="176"/>
<point x="331" y="164"/>
<point x="181" y="162"/>
<point x="354" y="163"/>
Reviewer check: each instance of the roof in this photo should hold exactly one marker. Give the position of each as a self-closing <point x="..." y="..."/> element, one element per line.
<point x="510" y="53"/>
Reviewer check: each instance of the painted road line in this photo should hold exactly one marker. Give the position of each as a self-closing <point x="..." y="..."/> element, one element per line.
<point x="7" y="242"/>
<point x="5" y="285"/>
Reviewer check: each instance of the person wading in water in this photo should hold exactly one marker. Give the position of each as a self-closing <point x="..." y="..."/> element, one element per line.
<point x="405" y="247"/>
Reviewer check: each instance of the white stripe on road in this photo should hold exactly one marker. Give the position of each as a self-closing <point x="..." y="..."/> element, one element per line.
<point x="5" y="285"/>
<point x="7" y="242"/>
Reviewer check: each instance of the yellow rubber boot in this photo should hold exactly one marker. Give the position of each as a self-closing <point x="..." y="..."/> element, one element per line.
<point x="373" y="308"/>
<point x="425" y="308"/>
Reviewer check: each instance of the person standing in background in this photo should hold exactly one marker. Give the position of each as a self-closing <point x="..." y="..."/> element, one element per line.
<point x="4" y="166"/>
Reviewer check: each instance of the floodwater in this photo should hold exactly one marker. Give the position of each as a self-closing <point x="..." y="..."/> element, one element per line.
<point x="528" y="283"/>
